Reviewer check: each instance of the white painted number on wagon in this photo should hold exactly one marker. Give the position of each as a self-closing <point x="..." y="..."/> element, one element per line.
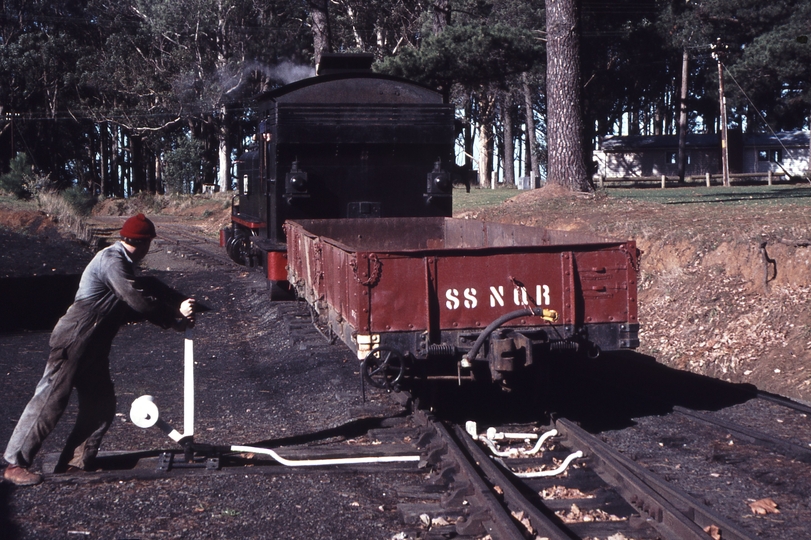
<point x="520" y="297"/>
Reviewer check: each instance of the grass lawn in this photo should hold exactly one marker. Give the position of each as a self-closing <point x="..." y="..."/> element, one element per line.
<point x="752" y="194"/>
<point x="479" y="198"/>
<point x="799" y="193"/>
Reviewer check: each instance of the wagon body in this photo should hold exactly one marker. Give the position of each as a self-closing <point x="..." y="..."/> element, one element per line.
<point x="429" y="287"/>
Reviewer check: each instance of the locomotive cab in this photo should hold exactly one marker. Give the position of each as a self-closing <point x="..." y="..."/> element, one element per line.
<point x="348" y="143"/>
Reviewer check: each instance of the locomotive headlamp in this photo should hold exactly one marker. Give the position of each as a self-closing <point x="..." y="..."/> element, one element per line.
<point x="296" y="184"/>
<point x="438" y="190"/>
<point x="442" y="181"/>
<point x="439" y="181"/>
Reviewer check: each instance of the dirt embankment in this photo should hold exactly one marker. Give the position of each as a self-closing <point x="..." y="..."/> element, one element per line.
<point x="725" y="288"/>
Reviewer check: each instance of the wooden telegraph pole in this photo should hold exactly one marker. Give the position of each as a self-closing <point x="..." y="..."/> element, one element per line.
<point x="683" y="117"/>
<point x="718" y="51"/>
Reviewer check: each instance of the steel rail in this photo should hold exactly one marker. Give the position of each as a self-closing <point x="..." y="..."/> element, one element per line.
<point x="784" y="401"/>
<point x="787" y="448"/>
<point x="515" y="501"/>
<point x="674" y="513"/>
<point x="502" y="524"/>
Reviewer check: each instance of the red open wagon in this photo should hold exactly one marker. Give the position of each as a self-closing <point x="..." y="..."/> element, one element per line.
<point x="463" y="294"/>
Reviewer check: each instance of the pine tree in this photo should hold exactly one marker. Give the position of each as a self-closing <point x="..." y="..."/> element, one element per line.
<point x="566" y="144"/>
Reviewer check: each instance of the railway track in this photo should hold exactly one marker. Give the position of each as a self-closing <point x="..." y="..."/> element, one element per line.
<point x="602" y="494"/>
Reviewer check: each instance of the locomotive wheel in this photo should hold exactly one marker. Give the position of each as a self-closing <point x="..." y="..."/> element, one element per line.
<point x="383" y="368"/>
<point x="238" y="248"/>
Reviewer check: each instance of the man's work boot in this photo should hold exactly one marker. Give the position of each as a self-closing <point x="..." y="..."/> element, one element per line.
<point x="20" y="476"/>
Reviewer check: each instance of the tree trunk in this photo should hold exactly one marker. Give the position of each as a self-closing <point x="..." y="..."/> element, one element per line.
<point x="508" y="156"/>
<point x="116" y="163"/>
<point x="137" y="163"/>
<point x="566" y="143"/>
<point x="532" y="140"/>
<point x="633" y="122"/>
<point x="469" y="138"/>
<point x="224" y="156"/>
<point x="353" y="20"/>
<point x="210" y="138"/>
<point x="322" y="38"/>
<point x="658" y="118"/>
<point x="683" y="117"/>
<point x="486" y="115"/>
<point x="104" y="165"/>
<point x="442" y="15"/>
<point x="158" y="168"/>
<point x="485" y="153"/>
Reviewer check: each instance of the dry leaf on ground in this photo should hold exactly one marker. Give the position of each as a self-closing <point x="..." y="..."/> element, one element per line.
<point x="764" y="506"/>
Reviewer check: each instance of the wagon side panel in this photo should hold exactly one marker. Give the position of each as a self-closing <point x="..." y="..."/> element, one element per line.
<point x="607" y="279"/>
<point x="303" y="264"/>
<point x="608" y="284"/>
<point x="474" y="290"/>
<point x="340" y="289"/>
<point x="400" y="297"/>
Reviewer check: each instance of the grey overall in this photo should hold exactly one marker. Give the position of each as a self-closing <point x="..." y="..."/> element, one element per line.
<point x="80" y="344"/>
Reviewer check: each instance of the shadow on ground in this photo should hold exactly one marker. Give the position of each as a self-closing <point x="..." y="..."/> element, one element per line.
<point x="7" y="526"/>
<point x="601" y="394"/>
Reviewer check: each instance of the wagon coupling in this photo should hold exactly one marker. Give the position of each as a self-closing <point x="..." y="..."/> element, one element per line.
<point x="548" y="315"/>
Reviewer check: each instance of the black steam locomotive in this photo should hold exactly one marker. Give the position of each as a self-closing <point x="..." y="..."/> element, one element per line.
<point x="347" y="143"/>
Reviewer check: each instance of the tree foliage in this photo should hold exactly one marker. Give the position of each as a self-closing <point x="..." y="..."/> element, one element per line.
<point x="183" y="166"/>
<point x="469" y="55"/>
<point x="97" y="93"/>
<point x="765" y="51"/>
<point x="18" y="180"/>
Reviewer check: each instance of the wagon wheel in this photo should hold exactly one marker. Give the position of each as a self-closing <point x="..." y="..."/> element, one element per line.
<point x="383" y="367"/>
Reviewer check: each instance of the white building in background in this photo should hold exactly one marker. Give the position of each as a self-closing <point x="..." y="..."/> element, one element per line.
<point x="647" y="156"/>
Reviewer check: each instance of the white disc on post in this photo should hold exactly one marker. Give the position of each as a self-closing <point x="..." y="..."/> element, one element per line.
<point x="144" y="412"/>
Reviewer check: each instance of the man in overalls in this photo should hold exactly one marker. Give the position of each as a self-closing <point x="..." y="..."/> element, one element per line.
<point x="80" y="344"/>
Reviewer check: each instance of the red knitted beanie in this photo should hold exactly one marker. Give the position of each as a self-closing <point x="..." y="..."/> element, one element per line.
<point x="138" y="228"/>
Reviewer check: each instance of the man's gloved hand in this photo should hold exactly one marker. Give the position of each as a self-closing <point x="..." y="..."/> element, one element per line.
<point x="187" y="311"/>
<point x="187" y="308"/>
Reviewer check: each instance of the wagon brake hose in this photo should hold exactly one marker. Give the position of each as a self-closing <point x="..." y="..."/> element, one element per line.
<point x="548" y="315"/>
<point x="555" y="472"/>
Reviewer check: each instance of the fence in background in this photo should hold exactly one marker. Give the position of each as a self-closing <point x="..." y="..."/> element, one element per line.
<point x="708" y="179"/>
